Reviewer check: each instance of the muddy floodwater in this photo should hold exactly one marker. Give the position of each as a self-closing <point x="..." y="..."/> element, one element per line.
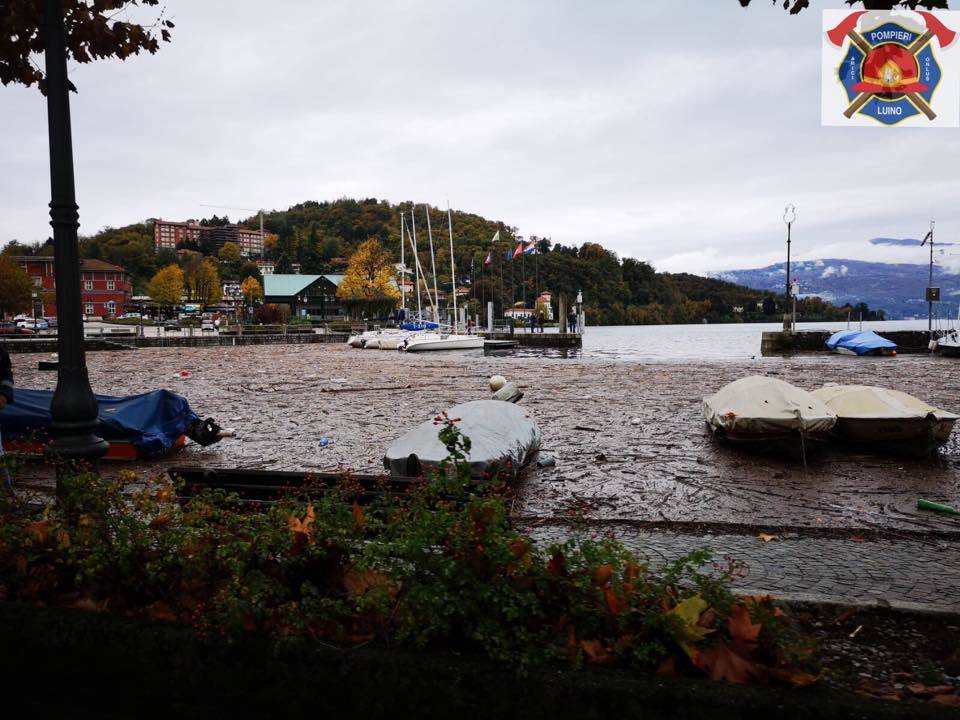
<point x="628" y="437"/>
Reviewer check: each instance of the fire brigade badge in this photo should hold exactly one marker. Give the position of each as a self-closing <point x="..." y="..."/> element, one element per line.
<point x="890" y="68"/>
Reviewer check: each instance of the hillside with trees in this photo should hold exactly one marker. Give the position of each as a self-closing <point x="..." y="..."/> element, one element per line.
<point x="323" y="236"/>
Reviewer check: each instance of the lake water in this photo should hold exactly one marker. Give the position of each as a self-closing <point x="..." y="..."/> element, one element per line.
<point x="734" y="341"/>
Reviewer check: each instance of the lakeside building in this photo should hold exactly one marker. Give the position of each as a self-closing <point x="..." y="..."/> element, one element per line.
<point x="168" y="233"/>
<point x="313" y="295"/>
<point x="520" y="311"/>
<point x="105" y="289"/>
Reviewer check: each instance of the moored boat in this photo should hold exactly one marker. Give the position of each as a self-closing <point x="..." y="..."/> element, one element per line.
<point x="440" y="341"/>
<point x="860" y="342"/>
<point x="135" y="427"/>
<point x="888" y="419"/>
<point x="762" y="411"/>
<point x="503" y="441"/>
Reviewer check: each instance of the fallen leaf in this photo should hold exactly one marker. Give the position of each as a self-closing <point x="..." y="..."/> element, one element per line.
<point x="557" y="565"/>
<point x="360" y="582"/>
<point x="948" y="700"/>
<point x="597" y="652"/>
<point x="721" y="663"/>
<point x="741" y="627"/>
<point x="358" y="517"/>
<point x="792" y="676"/>
<point x="767" y="537"/>
<point x="689" y="612"/>
<point x="302" y="527"/>
<point x="602" y="574"/>
<point x="615" y="603"/>
<point x="39" y="530"/>
<point x="91" y="605"/>
<point x="668" y="668"/>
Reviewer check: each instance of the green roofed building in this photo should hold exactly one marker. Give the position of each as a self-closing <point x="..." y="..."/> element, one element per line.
<point x="313" y="295"/>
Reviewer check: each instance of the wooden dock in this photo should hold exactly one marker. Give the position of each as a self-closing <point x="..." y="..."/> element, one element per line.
<point x="545" y="340"/>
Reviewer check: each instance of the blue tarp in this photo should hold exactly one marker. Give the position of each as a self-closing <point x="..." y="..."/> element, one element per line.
<point x="419" y="326"/>
<point x="860" y="342"/>
<point x="151" y="422"/>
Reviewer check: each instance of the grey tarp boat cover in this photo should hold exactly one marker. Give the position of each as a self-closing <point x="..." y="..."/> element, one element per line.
<point x="503" y="439"/>
<point x="755" y="407"/>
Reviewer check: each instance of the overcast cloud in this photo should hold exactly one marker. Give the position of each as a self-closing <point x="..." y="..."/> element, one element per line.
<point x="673" y="131"/>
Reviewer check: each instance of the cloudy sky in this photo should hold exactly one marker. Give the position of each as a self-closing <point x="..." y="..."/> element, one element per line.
<point x="669" y="131"/>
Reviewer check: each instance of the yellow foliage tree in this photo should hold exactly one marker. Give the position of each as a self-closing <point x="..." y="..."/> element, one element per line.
<point x="166" y="286"/>
<point x="205" y="283"/>
<point x="368" y="284"/>
<point x="251" y="290"/>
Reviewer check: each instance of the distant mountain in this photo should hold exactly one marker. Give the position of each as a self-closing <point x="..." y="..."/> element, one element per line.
<point x="896" y="288"/>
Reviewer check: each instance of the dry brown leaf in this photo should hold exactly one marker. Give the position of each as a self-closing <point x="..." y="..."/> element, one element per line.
<point x="160" y="611"/>
<point x="668" y="668"/>
<point x="358" y="517"/>
<point x="602" y="574"/>
<point x="360" y="582"/>
<point x="767" y="537"/>
<point x="39" y="530"/>
<point x="948" y="700"/>
<point x="721" y="663"/>
<point x="91" y="605"/>
<point x="741" y="627"/>
<point x="597" y="653"/>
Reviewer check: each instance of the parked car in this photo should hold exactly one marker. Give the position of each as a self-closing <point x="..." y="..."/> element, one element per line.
<point x="12" y="329"/>
<point x="30" y="323"/>
<point x="130" y="316"/>
<point x="207" y="326"/>
<point x="171" y="326"/>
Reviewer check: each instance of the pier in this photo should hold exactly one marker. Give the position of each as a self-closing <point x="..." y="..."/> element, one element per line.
<point x="528" y="339"/>
<point x="786" y="343"/>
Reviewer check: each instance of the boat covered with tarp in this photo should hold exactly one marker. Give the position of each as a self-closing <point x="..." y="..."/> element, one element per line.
<point x="136" y="426"/>
<point x="889" y="419"/>
<point x="759" y="409"/>
<point x="503" y="440"/>
<point x="860" y="342"/>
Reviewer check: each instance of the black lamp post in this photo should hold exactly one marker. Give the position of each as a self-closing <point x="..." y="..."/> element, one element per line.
<point x="74" y="407"/>
<point x="789" y="216"/>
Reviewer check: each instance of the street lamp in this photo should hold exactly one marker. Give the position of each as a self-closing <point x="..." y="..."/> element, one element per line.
<point x="74" y="408"/>
<point x="789" y="216"/>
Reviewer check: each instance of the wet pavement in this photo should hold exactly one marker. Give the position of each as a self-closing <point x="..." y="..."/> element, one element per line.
<point x="628" y="438"/>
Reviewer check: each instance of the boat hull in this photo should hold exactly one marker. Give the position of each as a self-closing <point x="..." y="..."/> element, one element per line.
<point x="913" y="436"/>
<point x="441" y="342"/>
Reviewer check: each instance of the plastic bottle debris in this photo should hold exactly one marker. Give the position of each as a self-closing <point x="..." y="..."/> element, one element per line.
<point x="546" y="461"/>
<point x="936" y="507"/>
<point x="324" y="442"/>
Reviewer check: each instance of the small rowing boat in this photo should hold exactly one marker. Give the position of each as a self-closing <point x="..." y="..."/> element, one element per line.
<point x="888" y="419"/>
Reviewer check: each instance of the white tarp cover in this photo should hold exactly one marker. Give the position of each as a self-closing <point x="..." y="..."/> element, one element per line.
<point x="759" y="405"/>
<point x="499" y="432"/>
<point x="869" y="401"/>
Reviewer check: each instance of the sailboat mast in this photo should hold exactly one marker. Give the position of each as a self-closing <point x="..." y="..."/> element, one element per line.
<point x="453" y="273"/>
<point x="416" y="262"/>
<point x="403" y="268"/>
<point x="433" y="265"/>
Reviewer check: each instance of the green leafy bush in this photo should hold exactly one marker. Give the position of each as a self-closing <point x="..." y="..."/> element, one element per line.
<point x="440" y="565"/>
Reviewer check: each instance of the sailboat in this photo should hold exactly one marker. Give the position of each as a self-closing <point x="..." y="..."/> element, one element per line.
<point x="438" y="339"/>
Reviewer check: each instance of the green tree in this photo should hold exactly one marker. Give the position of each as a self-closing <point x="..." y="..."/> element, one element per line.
<point x="16" y="288"/>
<point x="230" y="252"/>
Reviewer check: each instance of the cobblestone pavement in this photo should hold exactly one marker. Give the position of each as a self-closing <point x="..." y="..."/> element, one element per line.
<point x="915" y="571"/>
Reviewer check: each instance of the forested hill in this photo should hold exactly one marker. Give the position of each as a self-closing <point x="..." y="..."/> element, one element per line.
<point x="321" y="236"/>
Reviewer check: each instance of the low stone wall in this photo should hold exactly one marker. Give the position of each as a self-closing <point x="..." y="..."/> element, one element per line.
<point x="49" y="345"/>
<point x="67" y="663"/>
<point x="783" y="343"/>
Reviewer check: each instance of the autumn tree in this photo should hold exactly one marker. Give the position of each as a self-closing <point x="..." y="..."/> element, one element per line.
<point x="369" y="283"/>
<point x="16" y="288"/>
<point x="95" y="29"/>
<point x="230" y="252"/>
<point x="204" y="282"/>
<point x="251" y="290"/>
<point x="166" y="287"/>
